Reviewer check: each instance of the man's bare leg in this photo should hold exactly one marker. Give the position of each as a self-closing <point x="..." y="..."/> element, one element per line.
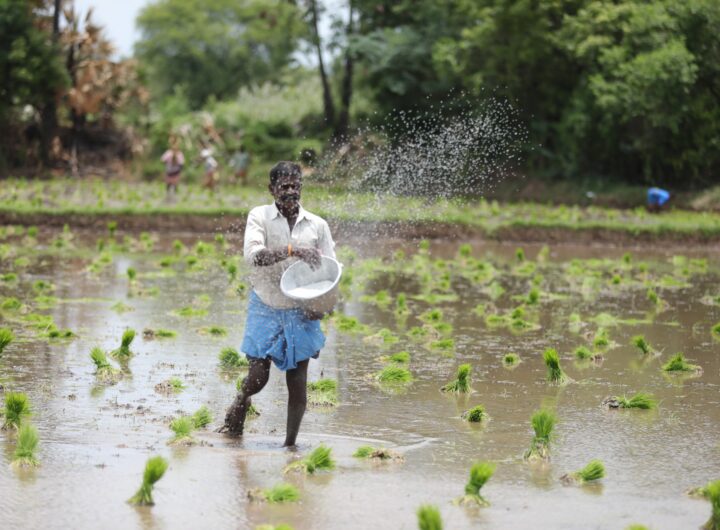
<point x="257" y="378"/>
<point x="297" y="400"/>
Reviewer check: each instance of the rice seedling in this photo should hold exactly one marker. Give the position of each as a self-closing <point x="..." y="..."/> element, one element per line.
<point x="494" y="290"/>
<point x="131" y="274"/>
<point x="533" y="297"/>
<point x="322" y="392"/>
<point x="215" y="331"/>
<point x="582" y="353"/>
<point x="383" y="336"/>
<point x="401" y="357"/>
<point x="349" y="324"/>
<point x="712" y="493"/>
<point x="202" y="417"/>
<point x="120" y="307"/>
<point x="444" y="328"/>
<point x="53" y="332"/>
<point x="575" y="323"/>
<point x="104" y="371"/>
<point x="230" y="358"/>
<point x="17" y="409"/>
<point x="419" y="332"/>
<point x="519" y="254"/>
<point x="6" y="337"/>
<point x="27" y="443"/>
<point x="320" y="459"/>
<point x="461" y="383"/>
<point x="401" y="307"/>
<point x="641" y="400"/>
<point x="394" y="374"/>
<point x="511" y="359"/>
<point x="444" y="345"/>
<point x="150" y="334"/>
<point x="555" y="373"/>
<point x="677" y="363"/>
<point x="112" y="228"/>
<point x="476" y="414"/>
<point x="480" y="473"/>
<point x="190" y="311"/>
<point x="376" y="453"/>
<point x="10" y="304"/>
<point x="595" y="470"/>
<point x="8" y="277"/>
<point x="123" y="352"/>
<point x="715" y="331"/>
<point x="182" y="427"/>
<point x="154" y="470"/>
<point x="279" y="493"/>
<point x="653" y="297"/>
<point x="176" y="384"/>
<point x="641" y="344"/>
<point x="429" y="518"/>
<point x="42" y="287"/>
<point x="601" y="338"/>
<point x="432" y="315"/>
<point x="543" y="423"/>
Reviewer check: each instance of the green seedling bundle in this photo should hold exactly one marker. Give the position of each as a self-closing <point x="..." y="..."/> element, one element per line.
<point x="16" y="410"/>
<point x="123" y="352"/>
<point x="480" y="473"/>
<point x="154" y="470"/>
<point x="641" y="400"/>
<point x="323" y="392"/>
<point x="6" y="337"/>
<point x="555" y="373"/>
<point x="677" y="363"/>
<point x="26" y="448"/>
<point x="230" y="358"/>
<point x="476" y="414"/>
<point x="543" y="424"/>
<point x="461" y="383"/>
<point x="104" y="371"/>
<point x="320" y="459"/>
<point x="595" y="470"/>
<point x="429" y="518"/>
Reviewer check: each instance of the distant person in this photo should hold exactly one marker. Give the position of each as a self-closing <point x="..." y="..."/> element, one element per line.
<point x="174" y="161"/>
<point x="308" y="160"/>
<point x="240" y="162"/>
<point x="657" y="198"/>
<point x="210" y="165"/>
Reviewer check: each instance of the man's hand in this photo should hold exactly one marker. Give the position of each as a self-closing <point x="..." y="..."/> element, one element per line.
<point x="311" y="256"/>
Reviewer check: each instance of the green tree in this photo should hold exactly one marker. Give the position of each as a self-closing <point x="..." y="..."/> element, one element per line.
<point x="211" y="48"/>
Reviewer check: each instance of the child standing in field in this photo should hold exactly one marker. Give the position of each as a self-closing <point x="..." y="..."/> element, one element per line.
<point x="210" y="165"/>
<point x="174" y="160"/>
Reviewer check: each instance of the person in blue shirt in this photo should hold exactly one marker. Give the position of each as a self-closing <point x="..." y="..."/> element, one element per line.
<point x="657" y="198"/>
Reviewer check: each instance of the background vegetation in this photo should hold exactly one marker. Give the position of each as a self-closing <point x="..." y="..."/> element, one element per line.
<point x="625" y="90"/>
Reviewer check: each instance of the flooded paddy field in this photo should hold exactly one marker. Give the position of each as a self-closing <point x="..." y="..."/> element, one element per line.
<point x="445" y="304"/>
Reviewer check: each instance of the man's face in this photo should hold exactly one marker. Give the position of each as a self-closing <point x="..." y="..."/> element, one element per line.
<point x="286" y="192"/>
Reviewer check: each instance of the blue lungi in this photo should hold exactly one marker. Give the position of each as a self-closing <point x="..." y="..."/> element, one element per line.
<point x="287" y="336"/>
<point x="657" y="196"/>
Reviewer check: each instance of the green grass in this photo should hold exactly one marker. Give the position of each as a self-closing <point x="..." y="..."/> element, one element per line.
<point x="6" y="337"/>
<point x="461" y="383"/>
<point x="16" y="410"/>
<point x="543" y="424"/>
<point x="555" y="373"/>
<point x="677" y="363"/>
<point x="27" y="443"/>
<point x="281" y="493"/>
<point x="202" y="418"/>
<point x="320" y="459"/>
<point x="429" y="518"/>
<point x="154" y="470"/>
<point x="476" y="414"/>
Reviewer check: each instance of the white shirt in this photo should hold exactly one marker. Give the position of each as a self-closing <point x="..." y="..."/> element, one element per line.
<point x="267" y="228"/>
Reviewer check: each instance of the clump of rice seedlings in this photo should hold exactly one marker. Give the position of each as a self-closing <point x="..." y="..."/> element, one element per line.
<point x="131" y="274"/>
<point x="279" y="493"/>
<point x="444" y="345"/>
<point x="154" y="470"/>
<point x="232" y="270"/>
<point x="104" y="371"/>
<point x="419" y="332"/>
<point x="444" y="328"/>
<point x="322" y="392"/>
<point x="112" y="228"/>
<point x="182" y="427"/>
<point x="230" y="358"/>
<point x="376" y="453"/>
<point x="176" y="384"/>
<point x="215" y="331"/>
<point x="641" y="344"/>
<point x="715" y="331"/>
<point x="27" y="442"/>
<point x="555" y="374"/>
<point x="641" y="400"/>
<point x="616" y="279"/>
<point x="8" y="277"/>
<point x="53" y="332"/>
<point x="401" y="307"/>
<point x="601" y="338"/>
<point x="511" y="359"/>
<point x="712" y="493"/>
<point x="394" y="374"/>
<point x="171" y="386"/>
<point x="677" y="363"/>
<point x="575" y="323"/>
<point x="432" y="315"/>
<point x="480" y="473"/>
<point x="476" y="414"/>
<point x="202" y="417"/>
<point x="429" y="518"/>
<point x="320" y="459"/>
<point x="123" y="352"/>
<point x="582" y="353"/>
<point x="595" y="470"/>
<point x="120" y="307"/>
<point x="6" y="337"/>
<point x="479" y="310"/>
<point x="401" y="357"/>
<point x="383" y="336"/>
<point x="461" y="383"/>
<point x="519" y="254"/>
<point x="17" y="409"/>
<point x="10" y="304"/>
<point x="150" y="334"/>
<point x="543" y="423"/>
<point x="653" y="297"/>
<point x="42" y="287"/>
<point x="190" y="311"/>
<point x="533" y="297"/>
<point x="349" y="324"/>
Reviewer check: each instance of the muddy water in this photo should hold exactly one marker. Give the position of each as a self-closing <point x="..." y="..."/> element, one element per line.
<point x="95" y="439"/>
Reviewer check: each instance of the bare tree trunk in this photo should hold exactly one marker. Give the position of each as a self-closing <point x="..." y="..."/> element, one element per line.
<point x="341" y="129"/>
<point x="328" y="104"/>
<point x="48" y="113"/>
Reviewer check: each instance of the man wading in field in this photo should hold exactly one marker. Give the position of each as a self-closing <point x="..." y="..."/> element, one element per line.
<point x="276" y="329"/>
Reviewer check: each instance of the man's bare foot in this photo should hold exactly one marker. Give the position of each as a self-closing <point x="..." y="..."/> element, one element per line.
<point x="226" y="429"/>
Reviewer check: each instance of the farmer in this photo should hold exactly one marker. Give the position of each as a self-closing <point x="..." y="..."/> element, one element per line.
<point x="276" y="329"/>
<point x="210" y="165"/>
<point x="174" y="160"/>
<point x="240" y="162"/>
<point x="657" y="198"/>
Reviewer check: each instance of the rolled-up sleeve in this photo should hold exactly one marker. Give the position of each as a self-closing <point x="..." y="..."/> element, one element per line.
<point x="325" y="241"/>
<point x="255" y="236"/>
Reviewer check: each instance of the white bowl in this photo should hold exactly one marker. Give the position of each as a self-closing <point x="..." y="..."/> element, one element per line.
<point x="315" y="290"/>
